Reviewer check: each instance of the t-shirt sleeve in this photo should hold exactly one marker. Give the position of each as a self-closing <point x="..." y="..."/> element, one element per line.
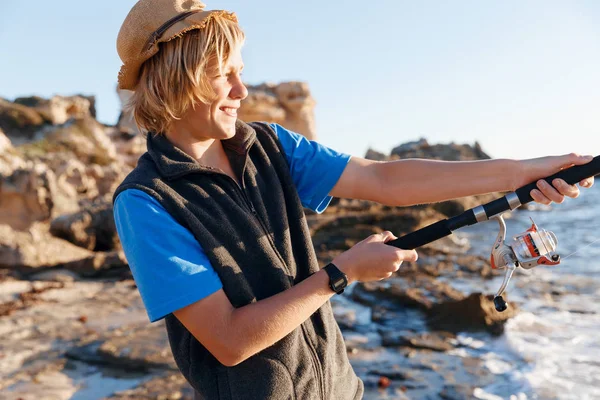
<point x="168" y="264"/>
<point x="315" y="168"/>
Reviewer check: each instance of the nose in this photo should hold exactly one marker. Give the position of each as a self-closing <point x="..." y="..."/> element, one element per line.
<point x="238" y="90"/>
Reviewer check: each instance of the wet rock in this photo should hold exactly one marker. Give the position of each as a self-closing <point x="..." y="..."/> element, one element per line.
<point x="457" y="392"/>
<point x="473" y="313"/>
<point x="393" y="372"/>
<point x="130" y="349"/>
<point x="356" y="341"/>
<point x="92" y="228"/>
<point x="420" y="291"/>
<point x="474" y="264"/>
<point x="436" y="341"/>
<point x="171" y="386"/>
<point x="41" y="332"/>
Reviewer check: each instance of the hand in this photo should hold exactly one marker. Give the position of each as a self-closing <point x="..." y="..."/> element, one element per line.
<point x="372" y="259"/>
<point x="537" y="168"/>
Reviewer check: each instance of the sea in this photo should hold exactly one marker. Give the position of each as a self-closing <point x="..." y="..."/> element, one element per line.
<point x="551" y="349"/>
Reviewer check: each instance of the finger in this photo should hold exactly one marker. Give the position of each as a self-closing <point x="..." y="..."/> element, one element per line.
<point x="386" y="236"/>
<point x="408" y="255"/>
<point x="586" y="183"/>
<point x="549" y="191"/>
<point x="379" y="237"/>
<point x="538" y="197"/>
<point x="565" y="189"/>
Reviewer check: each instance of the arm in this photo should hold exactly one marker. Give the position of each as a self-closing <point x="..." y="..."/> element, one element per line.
<point x="233" y="335"/>
<point x="417" y="181"/>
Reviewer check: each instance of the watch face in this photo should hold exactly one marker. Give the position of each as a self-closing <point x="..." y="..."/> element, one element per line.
<point x="337" y="279"/>
<point x="339" y="283"/>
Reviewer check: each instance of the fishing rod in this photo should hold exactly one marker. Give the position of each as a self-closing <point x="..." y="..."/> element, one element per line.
<point x="530" y="249"/>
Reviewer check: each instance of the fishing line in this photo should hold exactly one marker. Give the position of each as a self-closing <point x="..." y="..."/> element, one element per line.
<point x="587" y="245"/>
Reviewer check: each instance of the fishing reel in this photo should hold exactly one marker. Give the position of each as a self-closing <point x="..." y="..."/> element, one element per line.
<point x="527" y="250"/>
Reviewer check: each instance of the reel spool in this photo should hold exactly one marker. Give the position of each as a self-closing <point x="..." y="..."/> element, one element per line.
<point x="527" y="250"/>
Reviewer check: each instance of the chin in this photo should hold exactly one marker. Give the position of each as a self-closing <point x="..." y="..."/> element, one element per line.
<point x="229" y="132"/>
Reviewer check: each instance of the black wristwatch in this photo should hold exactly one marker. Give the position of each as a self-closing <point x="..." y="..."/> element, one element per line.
<point x="337" y="279"/>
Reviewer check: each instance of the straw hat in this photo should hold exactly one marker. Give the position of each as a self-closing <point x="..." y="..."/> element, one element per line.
<point x="151" y="22"/>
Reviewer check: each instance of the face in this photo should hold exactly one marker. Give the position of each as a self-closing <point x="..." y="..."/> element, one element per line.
<point x="217" y="119"/>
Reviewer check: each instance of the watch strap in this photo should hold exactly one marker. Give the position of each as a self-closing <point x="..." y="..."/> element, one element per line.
<point x="337" y="279"/>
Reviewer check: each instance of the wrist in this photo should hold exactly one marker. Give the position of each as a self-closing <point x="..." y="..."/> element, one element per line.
<point x="344" y="266"/>
<point x="518" y="174"/>
<point x="338" y="280"/>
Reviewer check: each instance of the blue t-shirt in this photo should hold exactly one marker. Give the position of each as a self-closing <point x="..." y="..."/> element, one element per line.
<point x="168" y="264"/>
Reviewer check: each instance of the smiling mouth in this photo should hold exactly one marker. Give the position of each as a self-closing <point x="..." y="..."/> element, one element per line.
<point x="232" y="112"/>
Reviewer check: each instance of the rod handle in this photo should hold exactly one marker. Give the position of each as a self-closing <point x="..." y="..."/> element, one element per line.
<point x="570" y="175"/>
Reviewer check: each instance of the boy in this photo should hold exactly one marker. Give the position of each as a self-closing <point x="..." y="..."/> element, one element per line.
<point x="212" y="219"/>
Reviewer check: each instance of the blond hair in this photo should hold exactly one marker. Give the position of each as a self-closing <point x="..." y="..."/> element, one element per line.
<point x="178" y="76"/>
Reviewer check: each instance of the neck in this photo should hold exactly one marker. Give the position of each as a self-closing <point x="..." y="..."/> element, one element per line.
<point x="206" y="151"/>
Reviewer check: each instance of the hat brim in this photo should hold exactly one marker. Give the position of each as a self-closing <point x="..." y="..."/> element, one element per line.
<point x="129" y="74"/>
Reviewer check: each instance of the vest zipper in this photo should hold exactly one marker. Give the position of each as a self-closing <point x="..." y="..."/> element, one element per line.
<point x="313" y="352"/>
<point x="316" y="363"/>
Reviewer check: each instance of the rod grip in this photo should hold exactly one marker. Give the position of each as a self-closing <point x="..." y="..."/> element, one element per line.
<point x="422" y="236"/>
<point x="570" y="175"/>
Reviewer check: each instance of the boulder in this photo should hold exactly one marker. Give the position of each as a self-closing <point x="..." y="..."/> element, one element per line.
<point x="84" y="138"/>
<point x="92" y="228"/>
<point x="27" y="195"/>
<point x="59" y="109"/>
<point x="476" y="312"/>
<point x="289" y="104"/>
<point x="420" y="291"/>
<point x="20" y="123"/>
<point x="36" y="249"/>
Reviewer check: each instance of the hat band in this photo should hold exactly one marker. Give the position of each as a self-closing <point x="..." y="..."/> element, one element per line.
<point x="163" y="28"/>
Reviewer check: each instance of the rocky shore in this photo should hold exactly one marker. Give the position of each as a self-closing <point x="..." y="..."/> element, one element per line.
<point x="71" y="319"/>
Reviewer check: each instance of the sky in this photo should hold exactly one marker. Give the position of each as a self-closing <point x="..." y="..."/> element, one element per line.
<point x="520" y="77"/>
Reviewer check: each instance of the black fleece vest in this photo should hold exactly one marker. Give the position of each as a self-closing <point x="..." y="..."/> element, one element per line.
<point x="258" y="242"/>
